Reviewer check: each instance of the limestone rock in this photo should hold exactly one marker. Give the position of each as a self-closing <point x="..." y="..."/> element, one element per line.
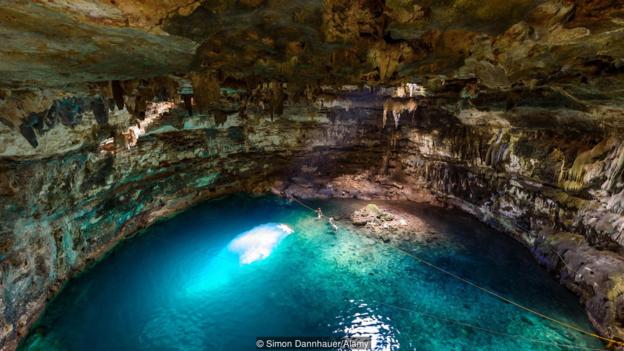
<point x="596" y="276"/>
<point x="390" y="224"/>
<point x="517" y="120"/>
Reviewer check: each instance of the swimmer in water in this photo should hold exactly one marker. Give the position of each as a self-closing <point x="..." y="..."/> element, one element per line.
<point x="333" y="224"/>
<point x="319" y="213"/>
<point x="289" y="198"/>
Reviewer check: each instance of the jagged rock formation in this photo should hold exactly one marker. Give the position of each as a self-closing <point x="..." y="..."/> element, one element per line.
<point x="535" y="184"/>
<point x="77" y="203"/>
<point x="117" y="113"/>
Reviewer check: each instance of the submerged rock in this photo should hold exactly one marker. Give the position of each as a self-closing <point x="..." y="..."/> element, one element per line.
<point x="390" y="224"/>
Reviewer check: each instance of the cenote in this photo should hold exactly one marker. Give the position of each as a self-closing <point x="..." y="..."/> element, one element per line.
<point x="220" y="274"/>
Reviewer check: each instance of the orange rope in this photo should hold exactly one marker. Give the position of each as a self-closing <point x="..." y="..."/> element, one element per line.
<point x="498" y="296"/>
<point x="494" y="332"/>
<point x="516" y="304"/>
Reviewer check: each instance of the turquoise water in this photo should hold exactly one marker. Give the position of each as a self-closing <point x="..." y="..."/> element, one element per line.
<point x="227" y="271"/>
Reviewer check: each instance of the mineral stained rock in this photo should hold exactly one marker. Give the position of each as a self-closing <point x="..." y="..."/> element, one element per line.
<point x="114" y="114"/>
<point x="390" y="225"/>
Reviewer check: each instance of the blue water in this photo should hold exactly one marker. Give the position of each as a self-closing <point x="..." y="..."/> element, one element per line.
<point x="227" y="271"/>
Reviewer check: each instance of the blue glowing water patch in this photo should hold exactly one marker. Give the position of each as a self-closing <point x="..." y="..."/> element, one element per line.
<point x="258" y="243"/>
<point x="253" y="245"/>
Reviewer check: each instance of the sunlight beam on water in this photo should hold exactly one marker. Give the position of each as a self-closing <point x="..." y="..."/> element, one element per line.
<point x="251" y="246"/>
<point x="257" y="244"/>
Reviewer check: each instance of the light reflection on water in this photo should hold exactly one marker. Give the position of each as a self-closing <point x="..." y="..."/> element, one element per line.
<point x="364" y="321"/>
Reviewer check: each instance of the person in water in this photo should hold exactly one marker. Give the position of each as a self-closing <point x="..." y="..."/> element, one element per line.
<point x="319" y="213"/>
<point x="333" y="224"/>
<point x="289" y="198"/>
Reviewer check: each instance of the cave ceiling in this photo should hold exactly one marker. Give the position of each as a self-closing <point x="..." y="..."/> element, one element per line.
<point x="569" y="52"/>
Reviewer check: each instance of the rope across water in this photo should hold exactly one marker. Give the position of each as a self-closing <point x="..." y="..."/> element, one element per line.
<point x="493" y="332"/>
<point x="610" y="341"/>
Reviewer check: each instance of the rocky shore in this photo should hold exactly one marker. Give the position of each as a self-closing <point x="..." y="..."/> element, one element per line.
<point x="86" y="201"/>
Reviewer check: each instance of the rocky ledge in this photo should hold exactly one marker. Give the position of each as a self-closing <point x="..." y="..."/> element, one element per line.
<point x="596" y="276"/>
<point x="391" y="225"/>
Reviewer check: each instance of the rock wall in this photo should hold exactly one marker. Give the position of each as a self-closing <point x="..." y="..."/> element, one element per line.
<point x="61" y="211"/>
<point x="553" y="179"/>
<point x="556" y="187"/>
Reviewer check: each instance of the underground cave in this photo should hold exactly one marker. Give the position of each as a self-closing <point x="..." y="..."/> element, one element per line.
<point x="311" y="174"/>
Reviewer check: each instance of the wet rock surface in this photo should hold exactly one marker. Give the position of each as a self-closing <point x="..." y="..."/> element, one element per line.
<point x="63" y="210"/>
<point x="391" y="225"/>
<point x="596" y="276"/>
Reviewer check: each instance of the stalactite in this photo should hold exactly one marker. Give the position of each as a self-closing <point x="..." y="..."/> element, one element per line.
<point x="616" y="203"/>
<point x="574" y="178"/>
<point x="140" y="105"/>
<point x="277" y="98"/>
<point x="616" y="169"/>
<point x="397" y="107"/>
<point x="499" y="149"/>
<point x="206" y="90"/>
<point x="188" y="103"/>
<point x="100" y="110"/>
<point x="29" y="134"/>
<point x="118" y="93"/>
<point x="220" y="117"/>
